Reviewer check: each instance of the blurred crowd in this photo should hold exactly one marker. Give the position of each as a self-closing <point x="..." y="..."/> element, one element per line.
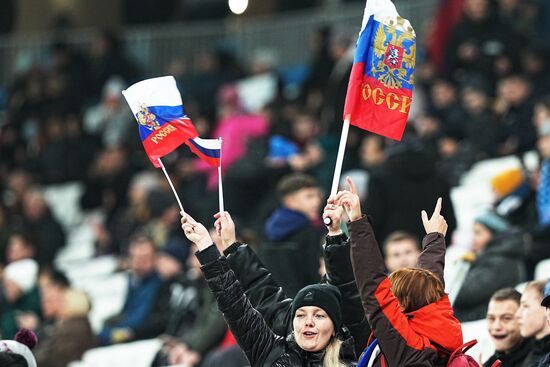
<point x="65" y="120"/>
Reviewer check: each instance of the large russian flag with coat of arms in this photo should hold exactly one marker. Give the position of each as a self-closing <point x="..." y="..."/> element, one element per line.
<point x="381" y="82"/>
<point x="163" y="125"/>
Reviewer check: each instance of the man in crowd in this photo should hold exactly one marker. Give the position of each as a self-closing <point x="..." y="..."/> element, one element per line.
<point x="293" y="247"/>
<point x="546" y="304"/>
<point x="401" y="250"/>
<point x="532" y="322"/>
<point x="143" y="285"/>
<point x="510" y="347"/>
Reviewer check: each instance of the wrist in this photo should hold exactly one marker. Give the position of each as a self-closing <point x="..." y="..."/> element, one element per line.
<point x="226" y="244"/>
<point x="335" y="232"/>
<point x="204" y="243"/>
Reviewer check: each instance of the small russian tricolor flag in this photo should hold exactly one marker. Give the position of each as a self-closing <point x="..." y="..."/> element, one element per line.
<point x="209" y="150"/>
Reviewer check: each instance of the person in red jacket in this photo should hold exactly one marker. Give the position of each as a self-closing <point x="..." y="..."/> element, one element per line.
<point x="410" y="315"/>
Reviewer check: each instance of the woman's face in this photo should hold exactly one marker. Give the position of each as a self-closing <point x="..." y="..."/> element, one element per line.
<point x="482" y="237"/>
<point x="313" y="328"/>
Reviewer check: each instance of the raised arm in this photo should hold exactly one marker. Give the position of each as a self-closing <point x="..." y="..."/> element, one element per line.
<point x="340" y="274"/>
<point x="261" y="289"/>
<point x="433" y="245"/>
<point x="247" y="325"/>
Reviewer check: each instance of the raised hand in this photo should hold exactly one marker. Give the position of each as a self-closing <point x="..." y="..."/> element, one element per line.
<point x="225" y="228"/>
<point x="349" y="199"/>
<point x="334" y="213"/>
<point x="195" y="232"/>
<point x="437" y="222"/>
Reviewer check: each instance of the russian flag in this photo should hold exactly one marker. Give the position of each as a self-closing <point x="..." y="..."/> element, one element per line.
<point x="381" y="82"/>
<point x="209" y="150"/>
<point x="163" y="125"/>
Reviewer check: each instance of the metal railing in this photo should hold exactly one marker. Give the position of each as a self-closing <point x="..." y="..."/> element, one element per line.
<point x="153" y="47"/>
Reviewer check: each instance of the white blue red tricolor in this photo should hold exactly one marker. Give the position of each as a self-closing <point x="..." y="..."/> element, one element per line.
<point x="163" y="125"/>
<point x="382" y="78"/>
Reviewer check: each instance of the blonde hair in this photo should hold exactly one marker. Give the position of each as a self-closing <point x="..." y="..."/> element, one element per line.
<point x="332" y="354"/>
<point x="415" y="288"/>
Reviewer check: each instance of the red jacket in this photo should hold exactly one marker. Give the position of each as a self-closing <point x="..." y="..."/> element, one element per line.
<point x="413" y="339"/>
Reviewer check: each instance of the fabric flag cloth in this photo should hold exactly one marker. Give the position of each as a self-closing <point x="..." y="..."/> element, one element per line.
<point x="380" y="88"/>
<point x="163" y="125"/>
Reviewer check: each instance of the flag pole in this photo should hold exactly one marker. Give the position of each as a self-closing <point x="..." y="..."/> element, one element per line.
<point x="220" y="185"/>
<point x="340" y="157"/>
<point x="339" y="161"/>
<point x="171" y="185"/>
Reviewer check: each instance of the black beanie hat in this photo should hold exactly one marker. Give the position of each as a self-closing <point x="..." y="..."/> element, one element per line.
<point x="324" y="296"/>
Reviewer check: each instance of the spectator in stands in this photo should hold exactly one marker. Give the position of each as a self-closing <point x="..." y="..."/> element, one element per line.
<point x="292" y="250"/>
<point x="546" y="304"/>
<point x="409" y="313"/>
<point x="17" y="353"/>
<point x="495" y="247"/>
<point x="510" y="347"/>
<point x="38" y="220"/>
<point x="20" y="293"/>
<point x="20" y="246"/>
<point x="317" y="318"/>
<point x="194" y="324"/>
<point x="70" y="335"/>
<point x="143" y="285"/>
<point x="405" y="183"/>
<point x="532" y="322"/>
<point x="401" y="250"/>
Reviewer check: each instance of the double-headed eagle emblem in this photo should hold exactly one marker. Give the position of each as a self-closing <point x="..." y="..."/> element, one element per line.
<point x="147" y="119"/>
<point x="394" y="53"/>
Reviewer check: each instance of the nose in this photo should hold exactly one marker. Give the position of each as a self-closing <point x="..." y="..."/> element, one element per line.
<point x="310" y="321"/>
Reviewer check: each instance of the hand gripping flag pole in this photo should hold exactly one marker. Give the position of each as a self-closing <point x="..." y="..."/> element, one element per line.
<point x="220" y="184"/>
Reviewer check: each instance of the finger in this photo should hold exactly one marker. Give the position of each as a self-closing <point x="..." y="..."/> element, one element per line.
<point x="437" y="209"/>
<point x="190" y="219"/>
<point x="352" y="186"/>
<point x="424" y="216"/>
<point x="217" y="215"/>
<point x="331" y="199"/>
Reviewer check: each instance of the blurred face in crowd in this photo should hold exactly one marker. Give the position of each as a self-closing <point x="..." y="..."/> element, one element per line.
<point x="541" y="115"/>
<point x="304" y="128"/>
<point x="34" y="205"/>
<point x="482" y="237"/>
<point x="443" y="94"/>
<point x="306" y="201"/>
<point x="474" y="101"/>
<point x="543" y="145"/>
<point x="531" y="315"/>
<point x="503" y="325"/>
<point x="51" y="299"/>
<point x="313" y="328"/>
<point x="18" y="249"/>
<point x="448" y="147"/>
<point x="401" y="254"/>
<point x="426" y="126"/>
<point x="142" y="257"/>
<point x="372" y="151"/>
<point x="476" y="9"/>
<point x="514" y="90"/>
<point x="167" y="266"/>
<point x="12" y="292"/>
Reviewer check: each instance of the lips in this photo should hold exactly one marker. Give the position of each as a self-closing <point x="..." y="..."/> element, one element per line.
<point x="309" y="334"/>
<point x="500" y="337"/>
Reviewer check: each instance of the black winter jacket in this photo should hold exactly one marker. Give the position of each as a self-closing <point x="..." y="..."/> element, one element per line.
<point x="269" y="299"/>
<point x="262" y="346"/>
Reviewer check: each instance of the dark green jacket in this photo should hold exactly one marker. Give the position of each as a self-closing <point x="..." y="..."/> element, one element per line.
<point x="28" y="302"/>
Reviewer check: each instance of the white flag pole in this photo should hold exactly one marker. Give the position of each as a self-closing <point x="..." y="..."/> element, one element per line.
<point x="340" y="157"/>
<point x="220" y="185"/>
<point x="172" y="186"/>
<point x="339" y="161"/>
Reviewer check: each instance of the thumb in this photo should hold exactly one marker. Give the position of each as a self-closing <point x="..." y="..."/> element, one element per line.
<point x="424" y="217"/>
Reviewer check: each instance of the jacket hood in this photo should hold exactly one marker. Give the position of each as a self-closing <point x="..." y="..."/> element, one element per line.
<point x="436" y="322"/>
<point x="284" y="222"/>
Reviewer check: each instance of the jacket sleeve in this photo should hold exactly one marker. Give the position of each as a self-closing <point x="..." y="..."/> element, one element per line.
<point x="247" y="325"/>
<point x="263" y="292"/>
<point x="209" y="331"/>
<point x="157" y="320"/>
<point x="432" y="257"/>
<point x="398" y="342"/>
<point x="340" y="274"/>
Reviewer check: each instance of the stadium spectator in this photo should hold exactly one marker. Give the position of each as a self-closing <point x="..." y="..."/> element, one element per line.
<point x="545" y="361"/>
<point x="143" y="285"/>
<point x="20" y="293"/>
<point x="495" y="247"/>
<point x="20" y="246"/>
<point x="510" y="347"/>
<point x="292" y="250"/>
<point x="532" y="322"/>
<point x="401" y="250"/>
